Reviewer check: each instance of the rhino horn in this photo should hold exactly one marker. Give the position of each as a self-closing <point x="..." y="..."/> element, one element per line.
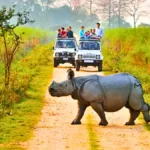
<point x="70" y="74"/>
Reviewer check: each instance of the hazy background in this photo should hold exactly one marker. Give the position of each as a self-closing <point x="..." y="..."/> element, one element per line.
<point x="52" y="14"/>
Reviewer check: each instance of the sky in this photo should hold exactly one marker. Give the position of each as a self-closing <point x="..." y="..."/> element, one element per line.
<point x="144" y="19"/>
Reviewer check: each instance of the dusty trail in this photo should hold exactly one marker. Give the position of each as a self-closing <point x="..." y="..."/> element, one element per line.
<point x="54" y="131"/>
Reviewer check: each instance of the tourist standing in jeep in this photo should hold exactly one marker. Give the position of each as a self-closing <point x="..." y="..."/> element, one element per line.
<point x="70" y="33"/>
<point x="82" y="33"/>
<point x="99" y="31"/>
<point x="63" y="32"/>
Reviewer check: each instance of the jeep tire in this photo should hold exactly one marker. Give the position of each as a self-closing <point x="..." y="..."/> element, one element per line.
<point x="55" y="63"/>
<point x="77" y="65"/>
<point x="100" y="66"/>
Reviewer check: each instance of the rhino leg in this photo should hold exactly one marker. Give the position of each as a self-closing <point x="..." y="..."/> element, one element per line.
<point x="81" y="110"/>
<point x="100" y="111"/>
<point x="133" y="115"/>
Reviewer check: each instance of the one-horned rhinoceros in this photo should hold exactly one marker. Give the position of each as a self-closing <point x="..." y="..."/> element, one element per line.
<point x="104" y="94"/>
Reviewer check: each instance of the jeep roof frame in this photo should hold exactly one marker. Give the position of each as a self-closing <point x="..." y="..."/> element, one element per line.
<point x="66" y="39"/>
<point x="97" y="40"/>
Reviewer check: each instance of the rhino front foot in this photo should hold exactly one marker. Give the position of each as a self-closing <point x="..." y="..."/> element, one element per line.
<point x="129" y="123"/>
<point x="74" y="122"/>
<point x="103" y="123"/>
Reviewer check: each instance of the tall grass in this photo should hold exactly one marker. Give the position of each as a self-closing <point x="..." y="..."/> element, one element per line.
<point x="26" y="113"/>
<point x="33" y="37"/>
<point x="23" y="68"/>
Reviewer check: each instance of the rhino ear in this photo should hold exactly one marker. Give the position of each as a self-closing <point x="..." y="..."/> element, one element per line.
<point x="53" y="82"/>
<point x="70" y="74"/>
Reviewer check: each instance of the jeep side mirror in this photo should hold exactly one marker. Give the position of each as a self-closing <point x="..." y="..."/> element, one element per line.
<point x="75" y="49"/>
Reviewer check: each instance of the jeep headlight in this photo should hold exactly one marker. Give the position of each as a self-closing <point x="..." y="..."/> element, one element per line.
<point x="57" y="54"/>
<point x="73" y="54"/>
<point x="80" y="56"/>
<point x="97" y="56"/>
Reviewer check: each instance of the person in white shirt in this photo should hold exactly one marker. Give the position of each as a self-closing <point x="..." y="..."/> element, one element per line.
<point x="99" y="31"/>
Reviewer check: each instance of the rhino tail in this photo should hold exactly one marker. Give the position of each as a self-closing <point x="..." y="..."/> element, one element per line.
<point x="148" y="107"/>
<point x="145" y="110"/>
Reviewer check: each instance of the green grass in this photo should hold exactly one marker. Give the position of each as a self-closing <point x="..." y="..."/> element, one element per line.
<point x="19" y="127"/>
<point x="92" y="135"/>
<point x="147" y="126"/>
<point x="11" y="148"/>
<point x="30" y="33"/>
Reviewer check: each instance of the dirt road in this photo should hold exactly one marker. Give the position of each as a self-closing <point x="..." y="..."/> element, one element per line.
<point x="54" y="131"/>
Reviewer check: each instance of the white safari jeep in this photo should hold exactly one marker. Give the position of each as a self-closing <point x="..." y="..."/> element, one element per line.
<point x="64" y="51"/>
<point x="89" y="54"/>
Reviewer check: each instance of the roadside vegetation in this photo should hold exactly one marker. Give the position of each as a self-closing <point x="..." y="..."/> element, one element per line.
<point x="25" y="69"/>
<point x="31" y="71"/>
<point x="127" y="50"/>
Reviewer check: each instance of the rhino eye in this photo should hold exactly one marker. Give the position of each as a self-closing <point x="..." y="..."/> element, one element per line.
<point x="65" y="85"/>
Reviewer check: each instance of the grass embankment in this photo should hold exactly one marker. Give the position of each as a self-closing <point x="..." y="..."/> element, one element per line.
<point x="32" y="73"/>
<point x="127" y="50"/>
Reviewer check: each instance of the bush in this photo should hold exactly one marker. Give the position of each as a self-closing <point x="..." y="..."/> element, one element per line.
<point x="24" y="67"/>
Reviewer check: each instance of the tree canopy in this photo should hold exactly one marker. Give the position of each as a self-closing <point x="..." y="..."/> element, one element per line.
<point x="46" y="15"/>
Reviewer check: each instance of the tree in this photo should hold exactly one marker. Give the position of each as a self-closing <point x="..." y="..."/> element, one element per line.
<point x="90" y="7"/>
<point x="113" y="23"/>
<point x="134" y="9"/>
<point x="46" y="15"/>
<point x="46" y="4"/>
<point x="10" y="41"/>
<point x="119" y="9"/>
<point x="74" y="18"/>
<point x="144" y="25"/>
<point x="70" y="3"/>
<point x="104" y="7"/>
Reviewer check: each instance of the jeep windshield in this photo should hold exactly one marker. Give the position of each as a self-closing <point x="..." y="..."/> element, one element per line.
<point x="65" y="44"/>
<point x="86" y="45"/>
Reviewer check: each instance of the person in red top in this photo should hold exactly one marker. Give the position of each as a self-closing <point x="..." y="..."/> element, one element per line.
<point x="63" y="32"/>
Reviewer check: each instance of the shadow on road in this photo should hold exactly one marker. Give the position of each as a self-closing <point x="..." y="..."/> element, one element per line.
<point x="65" y="67"/>
<point x="85" y="69"/>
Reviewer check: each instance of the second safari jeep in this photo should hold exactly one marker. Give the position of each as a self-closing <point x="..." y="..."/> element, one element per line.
<point x="89" y="54"/>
